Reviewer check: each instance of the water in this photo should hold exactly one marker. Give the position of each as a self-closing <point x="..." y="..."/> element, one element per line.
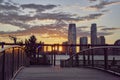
<point x="96" y="57"/>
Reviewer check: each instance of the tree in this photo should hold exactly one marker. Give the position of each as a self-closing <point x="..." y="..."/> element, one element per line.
<point x="30" y="46"/>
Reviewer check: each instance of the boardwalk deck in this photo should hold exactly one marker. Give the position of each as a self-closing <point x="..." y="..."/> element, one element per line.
<point x="57" y="73"/>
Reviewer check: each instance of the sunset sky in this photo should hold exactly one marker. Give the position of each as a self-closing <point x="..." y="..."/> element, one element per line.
<point x="48" y="20"/>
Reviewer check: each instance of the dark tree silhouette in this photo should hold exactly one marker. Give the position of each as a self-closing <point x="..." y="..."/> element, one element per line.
<point x="33" y="50"/>
<point x="30" y="46"/>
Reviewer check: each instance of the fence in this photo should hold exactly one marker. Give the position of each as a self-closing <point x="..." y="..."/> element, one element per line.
<point x="107" y="58"/>
<point x="11" y="59"/>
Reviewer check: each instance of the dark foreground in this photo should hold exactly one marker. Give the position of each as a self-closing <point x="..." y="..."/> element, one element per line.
<point x="57" y="73"/>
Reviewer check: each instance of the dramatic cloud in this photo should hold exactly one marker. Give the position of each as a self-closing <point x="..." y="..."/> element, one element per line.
<point x="21" y="20"/>
<point x="20" y="16"/>
<point x="110" y="29"/>
<point x="67" y="17"/>
<point x="56" y="31"/>
<point x="51" y="31"/>
<point x="102" y="5"/>
<point x="39" y="8"/>
<point x="83" y="27"/>
<point x="92" y="0"/>
<point x="8" y="7"/>
<point x="82" y="33"/>
<point x="92" y="16"/>
<point x="1" y="1"/>
<point x="104" y="33"/>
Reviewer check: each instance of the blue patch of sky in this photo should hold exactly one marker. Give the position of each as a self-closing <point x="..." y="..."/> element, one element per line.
<point x="111" y="18"/>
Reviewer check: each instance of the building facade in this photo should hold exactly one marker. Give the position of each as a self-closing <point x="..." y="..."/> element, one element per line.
<point x="72" y="38"/>
<point x="83" y="40"/>
<point x="94" y="34"/>
<point x="101" y="40"/>
<point x="65" y="48"/>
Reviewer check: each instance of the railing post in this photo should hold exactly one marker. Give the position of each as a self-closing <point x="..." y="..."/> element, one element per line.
<point x="105" y="58"/>
<point x="88" y="58"/>
<point x="2" y="45"/>
<point x="77" y="60"/>
<point x="54" y="59"/>
<point x="84" y="60"/>
<point x="54" y="56"/>
<point x="21" y="57"/>
<point x="24" y="58"/>
<point x="71" y="53"/>
<point x="12" y="62"/>
<point x="22" y="62"/>
<point x="92" y="57"/>
<point x="18" y="59"/>
<point x="3" y="66"/>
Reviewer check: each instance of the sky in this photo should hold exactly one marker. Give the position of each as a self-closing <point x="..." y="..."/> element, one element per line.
<point x="48" y="20"/>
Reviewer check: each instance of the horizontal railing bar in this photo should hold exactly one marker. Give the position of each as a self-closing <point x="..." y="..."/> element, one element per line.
<point x="12" y="58"/>
<point x="102" y="47"/>
<point x="59" y="44"/>
<point x="3" y="49"/>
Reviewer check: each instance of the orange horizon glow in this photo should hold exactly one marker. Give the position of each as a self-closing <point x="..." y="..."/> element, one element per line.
<point x="56" y="48"/>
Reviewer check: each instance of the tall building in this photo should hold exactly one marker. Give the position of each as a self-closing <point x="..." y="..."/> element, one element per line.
<point x="83" y="40"/>
<point x="72" y="38"/>
<point x="65" y="48"/>
<point x="101" y="40"/>
<point x="94" y="34"/>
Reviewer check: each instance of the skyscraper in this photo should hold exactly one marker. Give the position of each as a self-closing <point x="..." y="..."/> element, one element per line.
<point x="83" y="40"/>
<point x="93" y="34"/>
<point x="101" y="40"/>
<point x="72" y="37"/>
<point x="65" y="48"/>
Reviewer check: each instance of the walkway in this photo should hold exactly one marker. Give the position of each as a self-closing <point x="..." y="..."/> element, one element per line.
<point x="57" y="73"/>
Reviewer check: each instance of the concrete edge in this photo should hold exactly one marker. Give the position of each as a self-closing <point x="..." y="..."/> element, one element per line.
<point x="16" y="73"/>
<point x="108" y="71"/>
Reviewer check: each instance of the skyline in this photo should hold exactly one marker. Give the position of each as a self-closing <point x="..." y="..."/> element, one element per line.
<point x="49" y="20"/>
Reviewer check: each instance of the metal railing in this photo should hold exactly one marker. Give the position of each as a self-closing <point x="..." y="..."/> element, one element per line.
<point x="11" y="59"/>
<point x="104" y="57"/>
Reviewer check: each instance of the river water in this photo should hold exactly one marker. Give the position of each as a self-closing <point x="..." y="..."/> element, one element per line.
<point x="96" y="57"/>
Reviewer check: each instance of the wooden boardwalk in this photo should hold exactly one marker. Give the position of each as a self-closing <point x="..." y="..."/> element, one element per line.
<point x="57" y="73"/>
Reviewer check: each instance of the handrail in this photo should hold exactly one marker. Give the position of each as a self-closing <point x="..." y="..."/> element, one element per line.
<point x="11" y="59"/>
<point x="101" y="47"/>
<point x="2" y="49"/>
<point x="87" y="58"/>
